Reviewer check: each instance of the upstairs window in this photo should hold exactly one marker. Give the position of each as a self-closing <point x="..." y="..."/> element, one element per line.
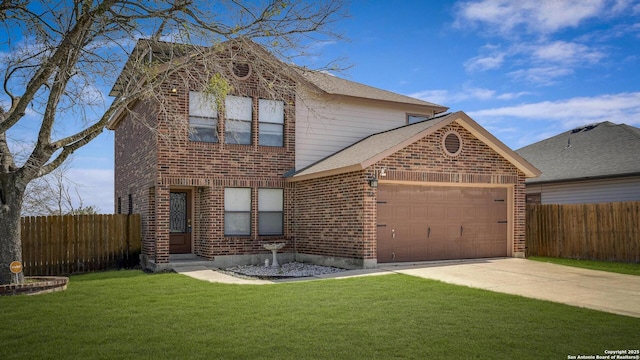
<point x="203" y="118"/>
<point x="270" y="211"/>
<point x="271" y="122"/>
<point x="237" y="128"/>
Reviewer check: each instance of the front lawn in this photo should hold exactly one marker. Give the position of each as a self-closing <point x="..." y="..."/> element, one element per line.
<point x="616" y="267"/>
<point x="132" y="315"/>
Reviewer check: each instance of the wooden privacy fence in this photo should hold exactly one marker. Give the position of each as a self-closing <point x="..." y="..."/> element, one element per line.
<point x="606" y="231"/>
<point x="58" y="245"/>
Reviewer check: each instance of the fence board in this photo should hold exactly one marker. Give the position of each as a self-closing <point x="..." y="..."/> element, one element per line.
<point x="58" y="245"/>
<point x="606" y="231"/>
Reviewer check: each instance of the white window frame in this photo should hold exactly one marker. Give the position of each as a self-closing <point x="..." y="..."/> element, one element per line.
<point x="270" y="209"/>
<point x="237" y="208"/>
<point x="270" y="121"/>
<point x="238" y="117"/>
<point x="414" y="118"/>
<point x="203" y="116"/>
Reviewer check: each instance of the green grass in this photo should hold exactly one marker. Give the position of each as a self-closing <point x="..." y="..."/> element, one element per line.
<point x="616" y="267"/>
<point x="133" y="315"/>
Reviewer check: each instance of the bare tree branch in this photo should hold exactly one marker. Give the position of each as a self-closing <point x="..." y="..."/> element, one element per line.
<point x="59" y="58"/>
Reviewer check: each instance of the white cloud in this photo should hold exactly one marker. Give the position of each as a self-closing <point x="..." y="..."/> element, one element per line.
<point x="434" y="96"/>
<point x="616" y="31"/>
<point x="508" y="17"/>
<point x="565" y="52"/>
<point x="445" y="97"/>
<point x="570" y="113"/>
<point x="544" y="62"/>
<point x="511" y="96"/>
<point x="541" y="75"/>
<point x="482" y="63"/>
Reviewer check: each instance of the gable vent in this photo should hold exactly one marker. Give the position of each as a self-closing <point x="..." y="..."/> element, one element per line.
<point x="452" y="143"/>
<point x="241" y="70"/>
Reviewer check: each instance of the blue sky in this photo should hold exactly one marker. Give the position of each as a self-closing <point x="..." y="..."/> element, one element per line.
<point x="525" y="70"/>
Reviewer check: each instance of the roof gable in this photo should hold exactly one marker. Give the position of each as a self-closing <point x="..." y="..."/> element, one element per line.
<point x="594" y="151"/>
<point x="378" y="146"/>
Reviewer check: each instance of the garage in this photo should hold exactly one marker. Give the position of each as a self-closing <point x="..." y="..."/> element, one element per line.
<point x="418" y="223"/>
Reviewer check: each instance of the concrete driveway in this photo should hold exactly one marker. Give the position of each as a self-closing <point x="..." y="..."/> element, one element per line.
<point x="599" y="290"/>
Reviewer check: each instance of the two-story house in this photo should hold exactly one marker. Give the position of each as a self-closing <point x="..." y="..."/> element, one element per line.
<point x="345" y="174"/>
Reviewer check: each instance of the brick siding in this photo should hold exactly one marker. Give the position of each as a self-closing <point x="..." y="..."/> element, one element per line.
<point x="477" y="163"/>
<point x="330" y="216"/>
<point x="134" y="173"/>
<point x="336" y="215"/>
<point x="150" y="163"/>
<point x="333" y="216"/>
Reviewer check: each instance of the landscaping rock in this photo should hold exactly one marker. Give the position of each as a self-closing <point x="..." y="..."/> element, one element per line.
<point x="288" y="270"/>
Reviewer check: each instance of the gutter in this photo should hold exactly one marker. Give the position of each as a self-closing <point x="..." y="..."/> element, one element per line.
<point x="586" y="178"/>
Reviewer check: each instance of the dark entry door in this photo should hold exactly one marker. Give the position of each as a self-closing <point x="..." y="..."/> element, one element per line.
<point x="180" y="222"/>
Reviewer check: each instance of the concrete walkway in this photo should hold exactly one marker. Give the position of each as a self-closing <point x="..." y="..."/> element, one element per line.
<point x="599" y="290"/>
<point x="207" y="274"/>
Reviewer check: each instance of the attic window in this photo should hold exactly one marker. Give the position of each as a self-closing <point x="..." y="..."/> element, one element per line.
<point x="452" y="143"/>
<point x="412" y="119"/>
<point x="241" y="70"/>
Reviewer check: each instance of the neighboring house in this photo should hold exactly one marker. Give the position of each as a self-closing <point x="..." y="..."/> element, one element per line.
<point x="343" y="173"/>
<point x="590" y="164"/>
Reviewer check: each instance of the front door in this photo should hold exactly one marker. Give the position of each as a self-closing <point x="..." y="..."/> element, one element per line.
<point x="180" y="222"/>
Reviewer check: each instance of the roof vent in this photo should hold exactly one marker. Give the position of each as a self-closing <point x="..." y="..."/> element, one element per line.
<point x="584" y="128"/>
<point x="241" y="70"/>
<point x="452" y="143"/>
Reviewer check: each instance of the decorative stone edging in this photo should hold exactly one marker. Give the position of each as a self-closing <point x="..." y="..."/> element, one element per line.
<point x="36" y="285"/>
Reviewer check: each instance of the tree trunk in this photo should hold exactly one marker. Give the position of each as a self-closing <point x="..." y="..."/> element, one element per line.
<point x="11" y="195"/>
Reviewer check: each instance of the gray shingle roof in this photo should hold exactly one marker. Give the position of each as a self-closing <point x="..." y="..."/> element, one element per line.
<point x="370" y="147"/>
<point x="376" y="147"/>
<point x="338" y="86"/>
<point x="163" y="51"/>
<point x="600" y="150"/>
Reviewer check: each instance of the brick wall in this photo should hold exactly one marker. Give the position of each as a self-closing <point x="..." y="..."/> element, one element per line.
<point x="477" y="163"/>
<point x="153" y="163"/>
<point x="330" y="216"/>
<point x="134" y="171"/>
<point x="336" y="215"/>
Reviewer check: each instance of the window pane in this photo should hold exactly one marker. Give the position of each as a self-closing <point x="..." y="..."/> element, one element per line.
<point x="270" y="199"/>
<point x="270" y="135"/>
<point x="238" y="108"/>
<point x="203" y="129"/>
<point x="201" y="105"/>
<point x="203" y="134"/>
<point x="237" y="223"/>
<point x="417" y="118"/>
<point x="178" y="212"/>
<point x="201" y="121"/>
<point x="237" y="199"/>
<point x="237" y="132"/>
<point x="271" y="111"/>
<point x="270" y="223"/>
